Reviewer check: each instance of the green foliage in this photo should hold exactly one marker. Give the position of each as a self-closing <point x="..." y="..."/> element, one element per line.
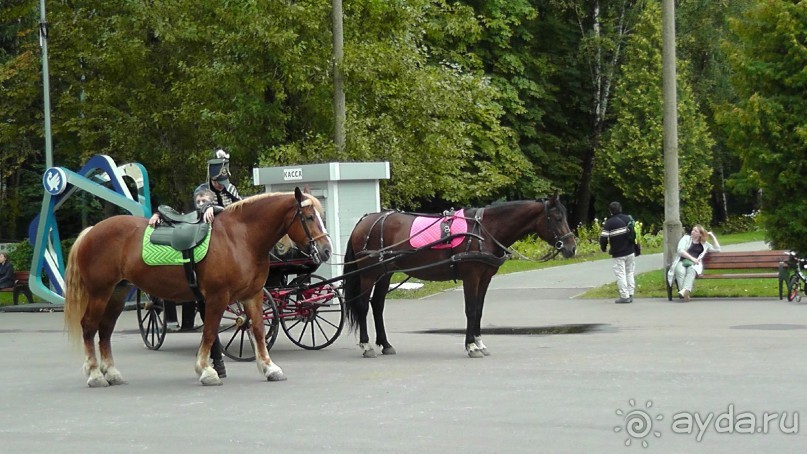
<point x="469" y="100"/>
<point x="22" y="255"/>
<point x="737" y="224"/>
<point x="588" y="241"/>
<point x="438" y="122"/>
<point x="767" y="124"/>
<point x="631" y="168"/>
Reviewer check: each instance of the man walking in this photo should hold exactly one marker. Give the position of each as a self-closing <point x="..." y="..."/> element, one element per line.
<point x="616" y="232"/>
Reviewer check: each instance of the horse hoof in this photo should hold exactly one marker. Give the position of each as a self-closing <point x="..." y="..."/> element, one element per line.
<point x="277" y="375"/>
<point x="273" y="372"/>
<point x="97" y="382"/>
<point x="367" y="350"/>
<point x="209" y="377"/>
<point x="115" y="378"/>
<point x="389" y="350"/>
<point x="475" y="354"/>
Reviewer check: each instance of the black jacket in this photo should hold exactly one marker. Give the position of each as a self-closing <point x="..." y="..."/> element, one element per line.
<point x="6" y="275"/>
<point x="615" y="231"/>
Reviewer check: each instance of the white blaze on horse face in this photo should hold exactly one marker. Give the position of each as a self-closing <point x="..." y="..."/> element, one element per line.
<point x="321" y="224"/>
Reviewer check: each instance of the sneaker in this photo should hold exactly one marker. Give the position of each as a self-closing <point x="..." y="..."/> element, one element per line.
<point x="631" y="298"/>
<point x="686" y="295"/>
<point x="172" y="327"/>
<point x="218" y="365"/>
<point x="623" y="300"/>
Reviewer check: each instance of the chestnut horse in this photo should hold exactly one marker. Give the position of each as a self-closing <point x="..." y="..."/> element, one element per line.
<point x="106" y="260"/>
<point x="380" y="245"/>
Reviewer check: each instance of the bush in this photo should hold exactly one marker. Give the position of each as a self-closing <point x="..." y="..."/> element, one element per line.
<point x="21" y="256"/>
<point x="588" y="241"/>
<point x="739" y="224"/>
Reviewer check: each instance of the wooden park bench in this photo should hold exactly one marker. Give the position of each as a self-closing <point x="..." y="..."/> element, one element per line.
<point x="730" y="265"/>
<point x="20" y="286"/>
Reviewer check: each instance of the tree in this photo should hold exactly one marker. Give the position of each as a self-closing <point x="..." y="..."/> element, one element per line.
<point x="437" y="122"/>
<point x="631" y="167"/>
<point x="21" y="111"/>
<point x="604" y="26"/>
<point x="767" y="125"/>
<point x="703" y="26"/>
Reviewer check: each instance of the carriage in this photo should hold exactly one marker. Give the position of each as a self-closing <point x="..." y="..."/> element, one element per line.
<point x="308" y="309"/>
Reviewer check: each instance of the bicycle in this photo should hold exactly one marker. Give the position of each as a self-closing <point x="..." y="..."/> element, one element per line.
<point x="798" y="281"/>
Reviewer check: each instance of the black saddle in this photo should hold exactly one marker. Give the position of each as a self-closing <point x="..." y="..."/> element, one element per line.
<point x="180" y="231"/>
<point x="172" y="216"/>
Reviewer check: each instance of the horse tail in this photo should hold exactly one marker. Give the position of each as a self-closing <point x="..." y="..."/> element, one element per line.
<point x="352" y="287"/>
<point x="75" y="295"/>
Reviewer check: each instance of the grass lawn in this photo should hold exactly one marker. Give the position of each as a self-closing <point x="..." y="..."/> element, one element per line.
<point x="651" y="285"/>
<point x="7" y="299"/>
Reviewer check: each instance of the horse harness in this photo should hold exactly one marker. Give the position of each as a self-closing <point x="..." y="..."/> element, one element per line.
<point x="475" y="231"/>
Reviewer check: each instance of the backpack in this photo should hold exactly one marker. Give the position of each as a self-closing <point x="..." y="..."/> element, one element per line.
<point x="634" y="236"/>
<point x="631" y="229"/>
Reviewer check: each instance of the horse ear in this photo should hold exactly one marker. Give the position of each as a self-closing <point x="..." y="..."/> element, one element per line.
<point x="298" y="194"/>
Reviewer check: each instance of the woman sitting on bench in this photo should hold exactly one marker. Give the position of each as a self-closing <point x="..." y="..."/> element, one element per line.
<point x="687" y="264"/>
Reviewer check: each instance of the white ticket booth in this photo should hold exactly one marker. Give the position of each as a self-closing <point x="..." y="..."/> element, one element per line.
<point x="347" y="191"/>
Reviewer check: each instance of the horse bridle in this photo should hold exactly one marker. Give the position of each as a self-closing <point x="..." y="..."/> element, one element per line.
<point x="552" y="225"/>
<point x="312" y="245"/>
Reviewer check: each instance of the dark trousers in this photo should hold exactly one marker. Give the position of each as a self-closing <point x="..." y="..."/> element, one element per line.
<point x="188" y="314"/>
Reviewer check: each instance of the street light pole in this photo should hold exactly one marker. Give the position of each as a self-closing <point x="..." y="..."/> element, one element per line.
<point x="672" y="218"/>
<point x="338" y="82"/>
<point x="43" y="42"/>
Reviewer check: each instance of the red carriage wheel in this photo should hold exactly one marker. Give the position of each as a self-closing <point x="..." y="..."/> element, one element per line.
<point x="312" y="318"/>
<point x="235" y="332"/>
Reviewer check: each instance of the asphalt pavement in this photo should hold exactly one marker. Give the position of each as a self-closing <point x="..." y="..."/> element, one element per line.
<point x="676" y="377"/>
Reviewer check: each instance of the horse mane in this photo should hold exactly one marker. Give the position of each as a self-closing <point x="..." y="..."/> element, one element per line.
<point x="237" y="206"/>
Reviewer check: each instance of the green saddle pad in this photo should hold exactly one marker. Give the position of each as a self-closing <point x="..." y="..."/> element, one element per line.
<point x="155" y="254"/>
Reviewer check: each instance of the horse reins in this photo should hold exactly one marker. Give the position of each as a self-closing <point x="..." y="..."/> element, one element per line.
<point x="311" y="239"/>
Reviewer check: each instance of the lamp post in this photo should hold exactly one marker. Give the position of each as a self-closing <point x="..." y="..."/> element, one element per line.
<point x="672" y="218"/>
<point x="338" y="82"/>
<point x="43" y="42"/>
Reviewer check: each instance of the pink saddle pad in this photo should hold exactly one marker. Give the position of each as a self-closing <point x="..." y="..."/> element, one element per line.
<point x="426" y="230"/>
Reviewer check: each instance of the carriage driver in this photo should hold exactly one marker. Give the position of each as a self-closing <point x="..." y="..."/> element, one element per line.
<point x="218" y="179"/>
<point x="203" y="200"/>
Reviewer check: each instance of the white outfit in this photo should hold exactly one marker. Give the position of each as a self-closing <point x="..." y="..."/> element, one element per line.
<point x="685" y="276"/>
<point x="624" y="268"/>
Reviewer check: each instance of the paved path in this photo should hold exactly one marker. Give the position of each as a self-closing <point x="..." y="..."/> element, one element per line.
<point x="535" y="393"/>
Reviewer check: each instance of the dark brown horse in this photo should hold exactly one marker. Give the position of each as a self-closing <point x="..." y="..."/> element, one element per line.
<point x="381" y="243"/>
<point x="106" y="259"/>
